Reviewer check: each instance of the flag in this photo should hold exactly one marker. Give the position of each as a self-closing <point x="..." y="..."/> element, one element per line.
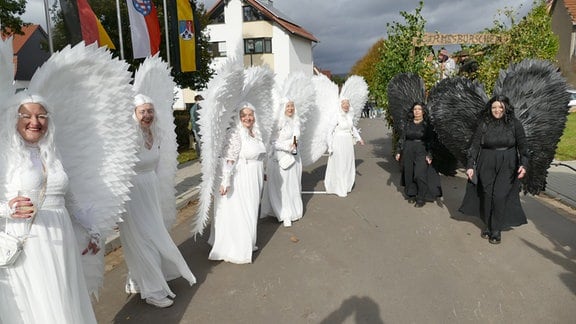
<point x="144" y="27"/>
<point x="186" y="25"/>
<point x="82" y="23"/>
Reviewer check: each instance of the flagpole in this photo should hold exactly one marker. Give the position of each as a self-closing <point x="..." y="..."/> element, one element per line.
<point x="166" y="32"/>
<point x="48" y="28"/>
<point x="120" y="39"/>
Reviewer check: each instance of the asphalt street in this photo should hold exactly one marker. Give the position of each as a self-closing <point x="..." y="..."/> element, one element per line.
<point x="372" y="258"/>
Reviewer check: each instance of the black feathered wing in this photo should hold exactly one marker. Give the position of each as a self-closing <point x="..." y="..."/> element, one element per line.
<point x="537" y="91"/>
<point x="455" y="105"/>
<point x="403" y="91"/>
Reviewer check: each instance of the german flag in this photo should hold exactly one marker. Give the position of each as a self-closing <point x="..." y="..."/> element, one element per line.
<point x="82" y="23"/>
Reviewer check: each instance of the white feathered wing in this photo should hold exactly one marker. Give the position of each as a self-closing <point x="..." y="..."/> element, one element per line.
<point x="216" y="116"/>
<point x="298" y="87"/>
<point x="154" y="80"/>
<point x="327" y="106"/>
<point x="356" y="89"/>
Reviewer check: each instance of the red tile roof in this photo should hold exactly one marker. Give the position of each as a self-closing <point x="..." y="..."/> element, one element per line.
<point x="20" y="40"/>
<point x="282" y="21"/>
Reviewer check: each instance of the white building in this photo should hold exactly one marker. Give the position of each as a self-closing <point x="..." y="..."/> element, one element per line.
<point x="260" y="34"/>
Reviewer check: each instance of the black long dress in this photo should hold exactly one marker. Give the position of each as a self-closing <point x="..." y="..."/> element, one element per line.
<point x="420" y="180"/>
<point x="497" y="149"/>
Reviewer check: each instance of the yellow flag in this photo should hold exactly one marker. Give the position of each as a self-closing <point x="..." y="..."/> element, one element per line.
<point x="186" y="36"/>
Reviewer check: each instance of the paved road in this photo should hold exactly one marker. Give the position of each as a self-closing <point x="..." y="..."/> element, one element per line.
<point x="372" y="258"/>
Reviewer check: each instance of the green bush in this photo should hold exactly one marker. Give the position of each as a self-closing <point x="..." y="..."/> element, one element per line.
<point x="181" y="119"/>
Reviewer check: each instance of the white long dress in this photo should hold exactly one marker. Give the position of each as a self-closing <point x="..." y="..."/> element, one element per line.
<point x="341" y="166"/>
<point x="47" y="284"/>
<point x="233" y="230"/>
<point x="283" y="189"/>
<point x="151" y="255"/>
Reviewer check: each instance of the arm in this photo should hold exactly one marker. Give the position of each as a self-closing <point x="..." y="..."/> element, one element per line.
<point x="356" y="135"/>
<point x="83" y="217"/>
<point x="230" y="156"/>
<point x="400" y="144"/>
<point x="330" y="134"/>
<point x="522" y="148"/>
<point x="475" y="146"/>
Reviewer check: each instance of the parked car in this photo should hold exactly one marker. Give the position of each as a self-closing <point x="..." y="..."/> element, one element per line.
<point x="572" y="102"/>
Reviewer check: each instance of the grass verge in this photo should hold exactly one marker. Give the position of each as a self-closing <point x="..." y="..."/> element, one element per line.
<point x="567" y="146"/>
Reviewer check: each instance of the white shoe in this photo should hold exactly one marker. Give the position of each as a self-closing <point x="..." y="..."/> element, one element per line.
<point x="287" y="223"/>
<point x="131" y="287"/>
<point x="161" y="303"/>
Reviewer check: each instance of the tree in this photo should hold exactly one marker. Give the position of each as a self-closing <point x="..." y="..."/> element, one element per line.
<point x="365" y="66"/>
<point x="531" y="37"/>
<point x="106" y="12"/>
<point x="10" y="12"/>
<point x="398" y="55"/>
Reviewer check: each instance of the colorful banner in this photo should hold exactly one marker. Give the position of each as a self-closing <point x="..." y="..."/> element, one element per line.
<point x="82" y="23"/>
<point x="186" y="36"/>
<point x="144" y="27"/>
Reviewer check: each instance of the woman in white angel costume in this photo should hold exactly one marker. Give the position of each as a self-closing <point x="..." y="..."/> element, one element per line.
<point x="151" y="255"/>
<point x="56" y="157"/>
<point x="342" y="135"/>
<point x="283" y="189"/>
<point x="234" y="124"/>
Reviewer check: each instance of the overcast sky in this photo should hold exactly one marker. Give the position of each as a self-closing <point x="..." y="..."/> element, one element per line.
<point x="348" y="28"/>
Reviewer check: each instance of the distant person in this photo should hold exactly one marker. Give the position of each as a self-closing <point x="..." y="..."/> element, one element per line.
<point x="341" y="166"/>
<point x="466" y="65"/>
<point x="420" y="180"/>
<point x="446" y="64"/>
<point x="193" y="124"/>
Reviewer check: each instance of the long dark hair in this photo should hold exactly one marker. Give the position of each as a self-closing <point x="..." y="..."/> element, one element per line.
<point x="410" y="115"/>
<point x="508" y="109"/>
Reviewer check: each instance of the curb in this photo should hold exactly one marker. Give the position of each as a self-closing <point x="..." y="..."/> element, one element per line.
<point x="560" y="198"/>
<point x="113" y="242"/>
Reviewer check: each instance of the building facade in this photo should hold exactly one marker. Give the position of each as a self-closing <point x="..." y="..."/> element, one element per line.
<point x="260" y="35"/>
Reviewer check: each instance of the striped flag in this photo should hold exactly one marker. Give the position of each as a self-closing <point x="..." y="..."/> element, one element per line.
<point x="185" y="24"/>
<point x="144" y="27"/>
<point x="82" y="23"/>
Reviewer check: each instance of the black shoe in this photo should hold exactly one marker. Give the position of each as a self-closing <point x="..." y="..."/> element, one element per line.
<point x="495" y="237"/>
<point x="419" y="204"/>
<point x="485" y="233"/>
<point x="411" y="200"/>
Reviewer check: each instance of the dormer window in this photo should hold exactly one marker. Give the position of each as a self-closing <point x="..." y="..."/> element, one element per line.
<point x="251" y="14"/>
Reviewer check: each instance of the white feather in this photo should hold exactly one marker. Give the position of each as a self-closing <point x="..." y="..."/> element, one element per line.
<point x="153" y="79"/>
<point x="222" y="95"/>
<point x="355" y="89"/>
<point x="89" y="93"/>
<point x="319" y="122"/>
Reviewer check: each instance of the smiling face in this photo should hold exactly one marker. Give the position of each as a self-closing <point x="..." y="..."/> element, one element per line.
<point x="418" y="112"/>
<point x="145" y="114"/>
<point x="345" y="105"/>
<point x="289" y="109"/>
<point x="247" y="117"/>
<point x="32" y="122"/>
<point x="498" y="109"/>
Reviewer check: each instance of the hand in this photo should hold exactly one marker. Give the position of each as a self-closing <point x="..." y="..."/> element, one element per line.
<point x="223" y="190"/>
<point x="521" y="172"/>
<point x="429" y="159"/>
<point x="330" y="152"/>
<point x="397" y="156"/>
<point x="93" y="244"/>
<point x="21" y="207"/>
<point x="470" y="173"/>
<point x="361" y="142"/>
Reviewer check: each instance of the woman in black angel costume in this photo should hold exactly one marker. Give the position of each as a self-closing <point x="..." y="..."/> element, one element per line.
<point x="421" y="182"/>
<point x="499" y="153"/>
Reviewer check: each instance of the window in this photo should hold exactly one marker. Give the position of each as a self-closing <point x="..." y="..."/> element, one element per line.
<point x="251" y="14"/>
<point x="218" y="49"/>
<point x="257" y="45"/>
<point x="218" y="16"/>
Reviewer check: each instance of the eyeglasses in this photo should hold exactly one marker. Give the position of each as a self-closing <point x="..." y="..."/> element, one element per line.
<point x="28" y="116"/>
